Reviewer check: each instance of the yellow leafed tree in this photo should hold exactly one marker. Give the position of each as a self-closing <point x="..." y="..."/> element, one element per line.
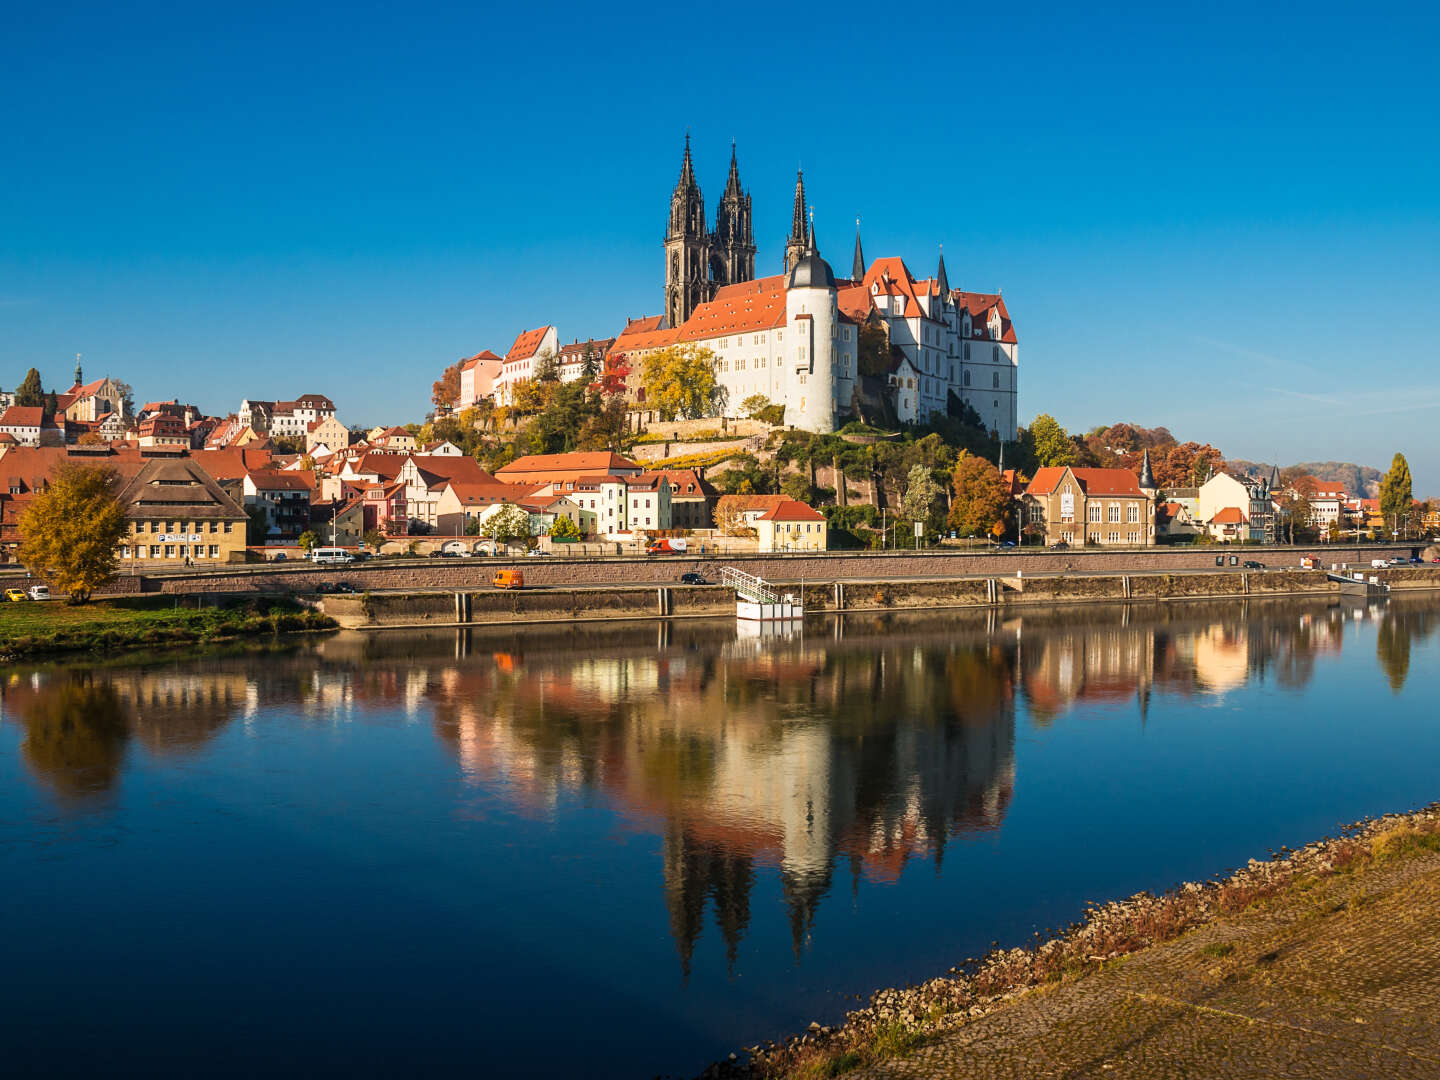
<point x="69" y="532"/>
<point x="680" y="381"/>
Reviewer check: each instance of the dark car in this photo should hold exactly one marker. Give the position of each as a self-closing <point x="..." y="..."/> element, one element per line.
<point x="342" y="587"/>
<point x="693" y="578"/>
<point x="1415" y="560"/>
<point x="280" y="556"/>
<point x="1251" y="564"/>
<point x="1061" y="546"/>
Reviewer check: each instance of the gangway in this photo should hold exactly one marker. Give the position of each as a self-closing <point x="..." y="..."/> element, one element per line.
<point x="756" y="601"/>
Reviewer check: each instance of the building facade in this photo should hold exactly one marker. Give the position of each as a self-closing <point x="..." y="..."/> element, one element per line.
<point x="1071" y="506"/>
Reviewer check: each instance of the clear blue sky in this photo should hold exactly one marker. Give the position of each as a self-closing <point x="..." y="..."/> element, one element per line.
<point x="1227" y="223"/>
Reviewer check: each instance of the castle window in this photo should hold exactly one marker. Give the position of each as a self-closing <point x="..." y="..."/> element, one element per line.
<point x="995" y="353"/>
<point x="995" y="380"/>
<point x="1133" y="514"/>
<point x="967" y="378"/>
<point x="1095" y="513"/>
<point x="967" y="350"/>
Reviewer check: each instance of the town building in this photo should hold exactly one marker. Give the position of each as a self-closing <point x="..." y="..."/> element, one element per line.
<point x="477" y="378"/>
<point x="1073" y="506"/>
<point x="327" y="432"/>
<point x="791" y="525"/>
<point x="520" y="362"/>
<point x="23" y="423"/>
<point x="176" y="511"/>
<point x="1233" y="507"/>
<point x="551" y="468"/>
<point x="285" y="497"/>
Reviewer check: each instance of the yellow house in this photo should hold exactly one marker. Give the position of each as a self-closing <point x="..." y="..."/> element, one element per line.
<point x="790" y="525"/>
<point x="326" y="432"/>
<point x="176" y="511"/>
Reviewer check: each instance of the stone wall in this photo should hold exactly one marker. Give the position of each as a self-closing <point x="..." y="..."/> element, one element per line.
<point x="469" y="574"/>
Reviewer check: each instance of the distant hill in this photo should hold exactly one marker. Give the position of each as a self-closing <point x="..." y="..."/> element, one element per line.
<point x="1355" y="479"/>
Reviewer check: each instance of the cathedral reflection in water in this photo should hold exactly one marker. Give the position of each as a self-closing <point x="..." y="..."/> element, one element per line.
<point x="856" y="747"/>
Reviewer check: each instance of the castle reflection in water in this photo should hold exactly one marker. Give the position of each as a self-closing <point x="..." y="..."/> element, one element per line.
<point x="855" y="747"/>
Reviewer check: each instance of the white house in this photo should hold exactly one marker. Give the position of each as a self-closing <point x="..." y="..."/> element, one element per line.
<point x="519" y="363"/>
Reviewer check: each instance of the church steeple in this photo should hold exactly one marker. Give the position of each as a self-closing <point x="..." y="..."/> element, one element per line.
<point x="941" y="279"/>
<point x="687" y="244"/>
<point x="1147" y="478"/>
<point x="732" y="255"/>
<point x="799" y="233"/>
<point x="857" y="271"/>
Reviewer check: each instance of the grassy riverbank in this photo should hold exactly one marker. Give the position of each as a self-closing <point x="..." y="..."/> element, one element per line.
<point x="36" y="629"/>
<point x="1318" y="960"/>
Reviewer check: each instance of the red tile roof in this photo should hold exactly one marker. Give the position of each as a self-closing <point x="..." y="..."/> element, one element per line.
<point x="479" y="358"/>
<point x="979" y="305"/>
<point x="1092" y="481"/>
<point x="1229" y="515"/>
<point x="736" y="309"/>
<point x="22" y="416"/>
<point x="526" y="344"/>
<point x="792" y="510"/>
<point x="533" y="465"/>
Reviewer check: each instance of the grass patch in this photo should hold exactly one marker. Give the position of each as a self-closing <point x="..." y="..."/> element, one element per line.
<point x="1404" y="840"/>
<point x="1217" y="950"/>
<point x="833" y="1065"/>
<point x="34" y="629"/>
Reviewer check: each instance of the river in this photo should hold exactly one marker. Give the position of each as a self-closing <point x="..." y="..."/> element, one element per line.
<point x="625" y="850"/>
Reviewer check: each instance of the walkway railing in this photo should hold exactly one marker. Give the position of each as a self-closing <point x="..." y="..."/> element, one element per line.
<point x="747" y="586"/>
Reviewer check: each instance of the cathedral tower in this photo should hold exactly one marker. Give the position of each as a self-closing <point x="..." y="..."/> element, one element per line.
<point x="732" y="246"/>
<point x="687" y="246"/>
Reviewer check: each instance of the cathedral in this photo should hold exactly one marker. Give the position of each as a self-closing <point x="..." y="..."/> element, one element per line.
<point x="699" y="263"/>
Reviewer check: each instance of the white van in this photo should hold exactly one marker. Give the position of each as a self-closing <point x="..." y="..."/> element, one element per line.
<point x="39" y="592"/>
<point x="1379" y="564"/>
<point x="331" y="555"/>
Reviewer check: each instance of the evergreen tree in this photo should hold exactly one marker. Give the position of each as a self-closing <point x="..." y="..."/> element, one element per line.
<point x="52" y="404"/>
<point x="30" y="393"/>
<point x="589" y="364"/>
<point x="1395" y="492"/>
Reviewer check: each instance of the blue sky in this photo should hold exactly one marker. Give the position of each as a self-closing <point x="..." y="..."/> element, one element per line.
<point x="1226" y="223"/>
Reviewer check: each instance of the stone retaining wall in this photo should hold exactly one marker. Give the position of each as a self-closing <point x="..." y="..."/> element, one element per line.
<point x="466" y="574"/>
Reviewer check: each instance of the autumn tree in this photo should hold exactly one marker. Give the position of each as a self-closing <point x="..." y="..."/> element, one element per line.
<point x="921" y="495"/>
<point x="562" y="528"/>
<point x="980" y="497"/>
<point x="70" y="532"/>
<point x="1396" y="496"/>
<point x="30" y="394"/>
<point x="680" y="382"/>
<point x="445" y="391"/>
<point x="1052" y="445"/>
<point x="508" y="523"/>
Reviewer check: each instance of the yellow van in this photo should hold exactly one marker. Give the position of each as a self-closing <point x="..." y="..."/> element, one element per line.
<point x="508" y="579"/>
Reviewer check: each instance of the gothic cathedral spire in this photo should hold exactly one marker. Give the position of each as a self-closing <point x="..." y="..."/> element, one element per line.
<point x="799" y="237"/>
<point x="733" y="242"/>
<point x="686" y="246"/>
<point x="857" y="271"/>
<point x="940" y="278"/>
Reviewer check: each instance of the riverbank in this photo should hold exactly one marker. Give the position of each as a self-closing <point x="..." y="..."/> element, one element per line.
<point x="32" y="629"/>
<point x="411" y="610"/>
<point x="1319" y="962"/>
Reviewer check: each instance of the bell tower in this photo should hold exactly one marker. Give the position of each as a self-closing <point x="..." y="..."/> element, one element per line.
<point x="732" y="246"/>
<point x="687" y="247"/>
<point x="799" y="239"/>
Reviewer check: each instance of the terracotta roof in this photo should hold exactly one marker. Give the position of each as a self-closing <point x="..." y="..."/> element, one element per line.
<point x="746" y="503"/>
<point x="979" y="305"/>
<point x="576" y="349"/>
<point x="177" y="487"/>
<point x="22" y="416"/>
<point x="577" y="463"/>
<point x="1229" y="515"/>
<point x="792" y="510"/>
<point x="479" y="358"/>
<point x="231" y="463"/>
<point x="1092" y="481"/>
<point x="526" y="344"/>
<point x="686" y="482"/>
<point x="736" y="309"/>
<point x="639" y="335"/>
<point x="88" y="390"/>
<point x="854" y="302"/>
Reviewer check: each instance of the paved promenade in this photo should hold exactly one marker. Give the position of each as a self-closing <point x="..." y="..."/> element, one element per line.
<point x="1342" y="980"/>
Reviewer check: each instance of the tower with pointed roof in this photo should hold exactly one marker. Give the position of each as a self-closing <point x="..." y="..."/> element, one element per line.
<point x="1147" y="477"/>
<point x="799" y="239"/>
<point x="732" y="245"/>
<point x="857" y="268"/>
<point x="687" y="246"/>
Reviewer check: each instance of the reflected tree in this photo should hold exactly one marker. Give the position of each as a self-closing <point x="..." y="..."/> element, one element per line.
<point x="1392" y="648"/>
<point x="75" y="737"/>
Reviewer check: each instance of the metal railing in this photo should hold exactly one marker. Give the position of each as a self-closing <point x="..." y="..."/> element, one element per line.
<point x="748" y="586"/>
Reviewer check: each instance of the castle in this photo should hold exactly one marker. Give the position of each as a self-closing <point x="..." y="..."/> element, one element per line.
<point x="880" y="345"/>
<point x="794" y="337"/>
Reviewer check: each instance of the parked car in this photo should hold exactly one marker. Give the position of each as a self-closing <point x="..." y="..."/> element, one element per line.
<point x="16" y="595"/>
<point x="692" y="578"/>
<point x="1415" y="560"/>
<point x="39" y="592"/>
<point x="537" y="551"/>
<point x="1251" y="564"/>
<point x="280" y="556"/>
<point x="343" y="587"/>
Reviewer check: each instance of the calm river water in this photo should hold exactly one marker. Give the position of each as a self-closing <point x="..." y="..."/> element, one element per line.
<point x="627" y="850"/>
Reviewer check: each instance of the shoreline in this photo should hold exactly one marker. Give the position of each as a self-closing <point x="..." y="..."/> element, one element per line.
<point x="1006" y="601"/>
<point x="61" y="632"/>
<point x="897" y="1022"/>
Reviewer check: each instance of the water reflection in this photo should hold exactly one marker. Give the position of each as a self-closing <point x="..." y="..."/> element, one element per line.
<point x="852" y="750"/>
